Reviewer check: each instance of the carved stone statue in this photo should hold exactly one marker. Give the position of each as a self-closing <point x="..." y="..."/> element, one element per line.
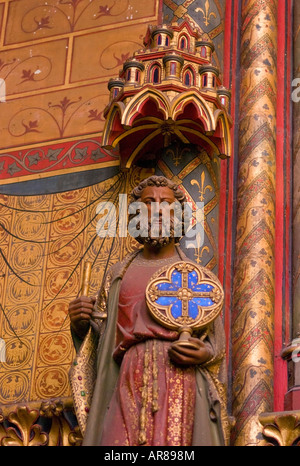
<point x="132" y="383"/>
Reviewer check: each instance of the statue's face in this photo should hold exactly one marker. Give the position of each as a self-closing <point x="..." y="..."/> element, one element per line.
<point x="158" y="200"/>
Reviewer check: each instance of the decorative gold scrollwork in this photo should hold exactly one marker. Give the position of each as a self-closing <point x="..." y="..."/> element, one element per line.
<point x="28" y="429"/>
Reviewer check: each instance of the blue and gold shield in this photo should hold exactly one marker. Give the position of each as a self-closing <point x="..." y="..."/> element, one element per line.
<point x="184" y="296"/>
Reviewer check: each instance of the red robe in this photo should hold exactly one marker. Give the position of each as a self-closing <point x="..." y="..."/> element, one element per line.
<point x="142" y="349"/>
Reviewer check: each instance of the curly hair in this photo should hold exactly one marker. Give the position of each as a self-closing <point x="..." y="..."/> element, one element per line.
<point x="159" y="181"/>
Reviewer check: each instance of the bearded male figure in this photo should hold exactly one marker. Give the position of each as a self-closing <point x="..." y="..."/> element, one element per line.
<point x="146" y="390"/>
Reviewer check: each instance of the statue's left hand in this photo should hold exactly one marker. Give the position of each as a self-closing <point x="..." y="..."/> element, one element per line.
<point x="190" y="356"/>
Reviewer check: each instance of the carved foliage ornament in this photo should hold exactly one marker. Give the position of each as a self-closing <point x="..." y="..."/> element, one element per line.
<point x="24" y="426"/>
<point x="281" y="429"/>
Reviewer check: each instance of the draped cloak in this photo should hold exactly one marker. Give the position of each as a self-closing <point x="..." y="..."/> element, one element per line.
<point x="95" y="373"/>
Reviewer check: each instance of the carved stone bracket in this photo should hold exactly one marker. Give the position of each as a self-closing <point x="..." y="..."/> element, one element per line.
<point x="40" y="423"/>
<point x="281" y="429"/>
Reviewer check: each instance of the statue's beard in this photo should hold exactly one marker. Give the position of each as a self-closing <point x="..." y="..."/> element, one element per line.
<point x="155" y="238"/>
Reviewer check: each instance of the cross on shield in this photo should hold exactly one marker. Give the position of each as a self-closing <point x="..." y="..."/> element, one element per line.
<point x="184" y="297"/>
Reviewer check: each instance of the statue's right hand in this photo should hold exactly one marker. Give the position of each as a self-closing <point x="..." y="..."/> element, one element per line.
<point x="80" y="312"/>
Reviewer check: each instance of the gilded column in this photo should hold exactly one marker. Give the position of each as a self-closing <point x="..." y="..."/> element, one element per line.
<point x="253" y="287"/>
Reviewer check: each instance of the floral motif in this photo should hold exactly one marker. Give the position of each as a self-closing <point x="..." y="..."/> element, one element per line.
<point x="27" y="75"/>
<point x="42" y="23"/>
<point x="95" y="115"/>
<point x="31" y="127"/>
<point x="104" y="10"/>
<point x="33" y="160"/>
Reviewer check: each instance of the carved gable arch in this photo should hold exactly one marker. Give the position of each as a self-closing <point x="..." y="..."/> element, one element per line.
<point x="137" y="107"/>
